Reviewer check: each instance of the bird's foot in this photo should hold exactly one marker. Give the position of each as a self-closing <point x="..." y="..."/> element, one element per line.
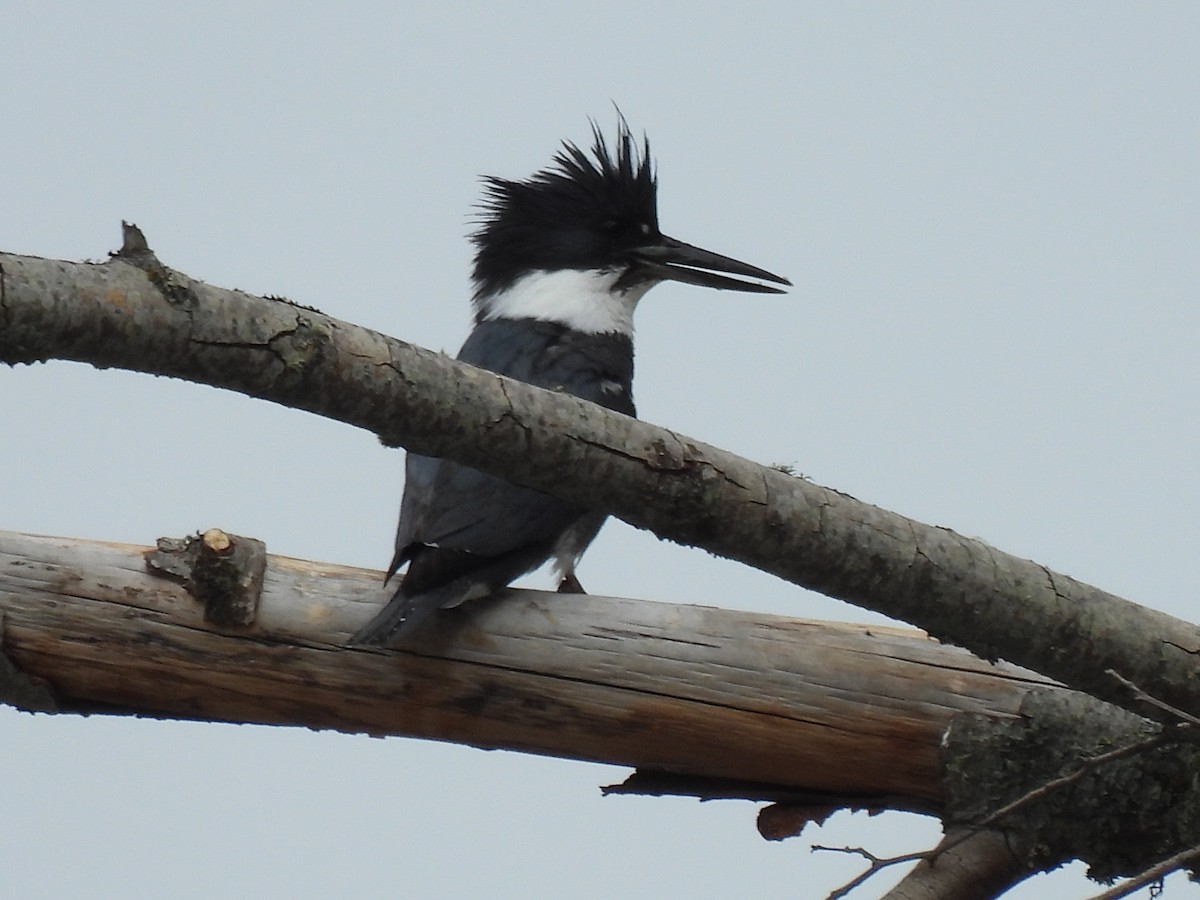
<point x="570" y="585"/>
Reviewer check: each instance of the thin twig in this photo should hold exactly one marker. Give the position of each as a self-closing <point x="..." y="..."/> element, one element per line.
<point x="878" y="864"/>
<point x="1140" y="694"/>
<point x="1089" y="764"/>
<point x="1155" y="873"/>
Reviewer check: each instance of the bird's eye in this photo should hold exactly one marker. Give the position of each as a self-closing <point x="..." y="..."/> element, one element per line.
<point x="645" y="228"/>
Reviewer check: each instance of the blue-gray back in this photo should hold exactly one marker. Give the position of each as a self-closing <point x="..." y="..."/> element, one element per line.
<point x="459" y="508"/>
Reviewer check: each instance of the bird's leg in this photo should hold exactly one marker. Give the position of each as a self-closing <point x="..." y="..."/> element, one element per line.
<point x="570" y="585"/>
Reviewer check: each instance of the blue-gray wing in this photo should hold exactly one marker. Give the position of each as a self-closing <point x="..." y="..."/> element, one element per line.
<point x="458" y="508"/>
<point x="466" y="534"/>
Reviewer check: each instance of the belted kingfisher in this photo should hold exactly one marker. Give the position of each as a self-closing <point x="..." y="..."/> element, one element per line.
<point x="561" y="261"/>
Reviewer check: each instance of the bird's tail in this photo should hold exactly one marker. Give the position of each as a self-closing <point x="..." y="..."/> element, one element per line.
<point x="406" y="611"/>
<point x="403" y="614"/>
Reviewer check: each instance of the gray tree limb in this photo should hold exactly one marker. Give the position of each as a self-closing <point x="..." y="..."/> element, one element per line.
<point x="134" y="313"/>
<point x="980" y="867"/>
<point x="713" y="703"/>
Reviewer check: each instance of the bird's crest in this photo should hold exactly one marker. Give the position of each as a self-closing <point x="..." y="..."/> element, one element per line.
<point x="560" y="217"/>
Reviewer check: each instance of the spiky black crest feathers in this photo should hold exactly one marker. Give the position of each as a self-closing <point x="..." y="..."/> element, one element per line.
<point x="583" y="212"/>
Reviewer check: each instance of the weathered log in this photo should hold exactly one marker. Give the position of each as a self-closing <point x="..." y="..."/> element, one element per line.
<point x="795" y="705"/>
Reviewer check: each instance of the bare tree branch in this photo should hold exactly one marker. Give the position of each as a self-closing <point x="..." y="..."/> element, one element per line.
<point x="850" y="713"/>
<point x="959" y="589"/>
<point x="877" y="865"/>
<point x="1186" y="719"/>
<point x="135" y="313"/>
<point x="977" y="865"/>
<point x="843" y="716"/>
<point x="966" y="865"/>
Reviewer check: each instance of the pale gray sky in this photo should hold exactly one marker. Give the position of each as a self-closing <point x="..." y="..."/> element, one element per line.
<point x="991" y="217"/>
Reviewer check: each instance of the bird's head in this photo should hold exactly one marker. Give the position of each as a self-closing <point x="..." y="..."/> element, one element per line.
<point x="579" y="242"/>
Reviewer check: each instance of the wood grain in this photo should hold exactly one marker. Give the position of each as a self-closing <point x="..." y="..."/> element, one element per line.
<point x="685" y="689"/>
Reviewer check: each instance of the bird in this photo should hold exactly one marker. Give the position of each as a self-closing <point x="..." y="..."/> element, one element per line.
<point x="561" y="261"/>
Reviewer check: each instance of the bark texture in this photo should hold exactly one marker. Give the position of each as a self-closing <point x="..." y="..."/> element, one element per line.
<point x="981" y="867"/>
<point x="1119" y="818"/>
<point x="134" y="313"/>
<point x="707" y="702"/>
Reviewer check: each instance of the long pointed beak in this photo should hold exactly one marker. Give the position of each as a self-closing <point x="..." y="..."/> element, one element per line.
<point x="669" y="259"/>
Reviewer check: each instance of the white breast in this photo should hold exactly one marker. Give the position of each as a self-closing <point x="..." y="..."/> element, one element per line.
<point x="584" y="301"/>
